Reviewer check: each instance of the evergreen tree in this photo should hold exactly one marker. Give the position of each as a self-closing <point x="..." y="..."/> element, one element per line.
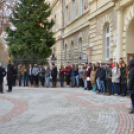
<point x="32" y="35"/>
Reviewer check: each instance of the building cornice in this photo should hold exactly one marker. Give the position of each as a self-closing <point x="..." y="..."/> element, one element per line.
<point x="101" y="9"/>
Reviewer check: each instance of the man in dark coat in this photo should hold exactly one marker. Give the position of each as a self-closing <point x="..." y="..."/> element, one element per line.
<point x="10" y="74"/>
<point x="54" y="75"/>
<point x="2" y="74"/>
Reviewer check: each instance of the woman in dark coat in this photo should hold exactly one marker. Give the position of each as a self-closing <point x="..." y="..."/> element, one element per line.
<point x="130" y="83"/>
<point x="123" y="79"/>
<point x="88" y="75"/>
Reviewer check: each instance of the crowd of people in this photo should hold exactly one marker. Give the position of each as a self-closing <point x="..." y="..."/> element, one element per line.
<point x="105" y="78"/>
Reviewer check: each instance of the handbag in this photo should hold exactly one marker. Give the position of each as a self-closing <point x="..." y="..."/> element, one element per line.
<point x="88" y="78"/>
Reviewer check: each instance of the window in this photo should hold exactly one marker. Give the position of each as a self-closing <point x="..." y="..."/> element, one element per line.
<point x="66" y="15"/>
<point x="72" y="53"/>
<point x="80" y="47"/>
<point x="81" y="7"/>
<point x="73" y="9"/>
<point x="65" y="53"/>
<point x="108" y="47"/>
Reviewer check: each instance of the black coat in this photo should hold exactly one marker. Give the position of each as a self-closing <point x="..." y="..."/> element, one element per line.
<point x="130" y="83"/>
<point x="2" y="74"/>
<point x="123" y="76"/>
<point x="54" y="72"/>
<point x="10" y="72"/>
<point x="102" y="75"/>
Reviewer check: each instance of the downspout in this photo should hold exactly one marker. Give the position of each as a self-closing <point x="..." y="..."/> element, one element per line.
<point x="62" y="30"/>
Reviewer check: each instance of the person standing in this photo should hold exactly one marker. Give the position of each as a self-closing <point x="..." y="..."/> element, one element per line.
<point x="10" y="74"/>
<point x="98" y="70"/>
<point x="19" y="76"/>
<point x="121" y="61"/>
<point x="61" y="74"/>
<point x="68" y="74"/>
<point x="116" y="79"/>
<point x="102" y="78"/>
<point x="88" y="76"/>
<point x="77" y="76"/>
<point x="15" y="76"/>
<point x="111" y="63"/>
<point x="54" y="75"/>
<point x="92" y="78"/>
<point x="80" y="76"/>
<point x="24" y="73"/>
<point x="84" y="77"/>
<point x="41" y="74"/>
<point x="30" y="75"/>
<point x="73" y="75"/>
<point x="2" y="74"/>
<point x="109" y="80"/>
<point x="130" y="83"/>
<point x="35" y="72"/>
<point x="47" y="76"/>
<point x="123" y="79"/>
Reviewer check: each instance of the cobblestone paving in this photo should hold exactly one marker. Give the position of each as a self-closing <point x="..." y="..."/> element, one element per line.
<point x="63" y="111"/>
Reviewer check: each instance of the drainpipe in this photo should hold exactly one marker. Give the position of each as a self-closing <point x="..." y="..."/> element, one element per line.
<point x="62" y="30"/>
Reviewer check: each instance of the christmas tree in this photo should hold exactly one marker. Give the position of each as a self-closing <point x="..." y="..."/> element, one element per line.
<point x="30" y="34"/>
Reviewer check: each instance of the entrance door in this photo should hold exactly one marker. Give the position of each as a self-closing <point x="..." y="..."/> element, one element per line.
<point x="130" y="57"/>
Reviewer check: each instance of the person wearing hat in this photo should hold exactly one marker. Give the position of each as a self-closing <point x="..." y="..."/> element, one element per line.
<point x="54" y="75"/>
<point x="2" y="74"/>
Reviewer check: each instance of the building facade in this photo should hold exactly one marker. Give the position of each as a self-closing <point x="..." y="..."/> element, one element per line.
<point x="93" y="29"/>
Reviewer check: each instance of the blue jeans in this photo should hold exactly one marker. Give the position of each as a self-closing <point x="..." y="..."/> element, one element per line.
<point x="19" y="81"/>
<point x="47" y="81"/>
<point x="42" y="80"/>
<point x="85" y="83"/>
<point x="102" y="86"/>
<point x="25" y="80"/>
<point x="115" y="88"/>
<point x="61" y="81"/>
<point x="31" y="80"/>
<point x="98" y="84"/>
<point x="77" y="80"/>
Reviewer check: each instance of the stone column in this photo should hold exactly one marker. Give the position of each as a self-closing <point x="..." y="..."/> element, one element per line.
<point x="119" y="33"/>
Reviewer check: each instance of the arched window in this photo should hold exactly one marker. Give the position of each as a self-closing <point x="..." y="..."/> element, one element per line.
<point x="72" y="52"/>
<point x="67" y="15"/>
<point x="65" y="53"/>
<point x="108" y="46"/>
<point x="73" y="9"/>
<point x="80" y="48"/>
<point x="81" y="6"/>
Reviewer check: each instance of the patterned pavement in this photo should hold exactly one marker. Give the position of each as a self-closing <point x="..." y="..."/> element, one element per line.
<point x="63" y="111"/>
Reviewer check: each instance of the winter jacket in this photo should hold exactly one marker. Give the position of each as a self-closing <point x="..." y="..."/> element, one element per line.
<point x="2" y="74"/>
<point x="54" y="72"/>
<point x="116" y="75"/>
<point x="68" y="70"/>
<point x="98" y="73"/>
<point x="108" y="73"/>
<point x="88" y="72"/>
<point x="76" y="72"/>
<point x="130" y="81"/>
<point x="92" y="76"/>
<point x="42" y="72"/>
<point x="123" y="76"/>
<point x="72" y="72"/>
<point x="35" y="71"/>
<point x="30" y="71"/>
<point x="10" y="72"/>
<point x="19" y="74"/>
<point x="102" y="74"/>
<point x="84" y="74"/>
<point x="61" y="73"/>
<point x="24" y="71"/>
<point x="47" y="73"/>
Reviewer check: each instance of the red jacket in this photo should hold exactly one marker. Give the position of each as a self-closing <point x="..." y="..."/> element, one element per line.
<point x="112" y="65"/>
<point x="61" y="73"/>
<point x="68" y="70"/>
